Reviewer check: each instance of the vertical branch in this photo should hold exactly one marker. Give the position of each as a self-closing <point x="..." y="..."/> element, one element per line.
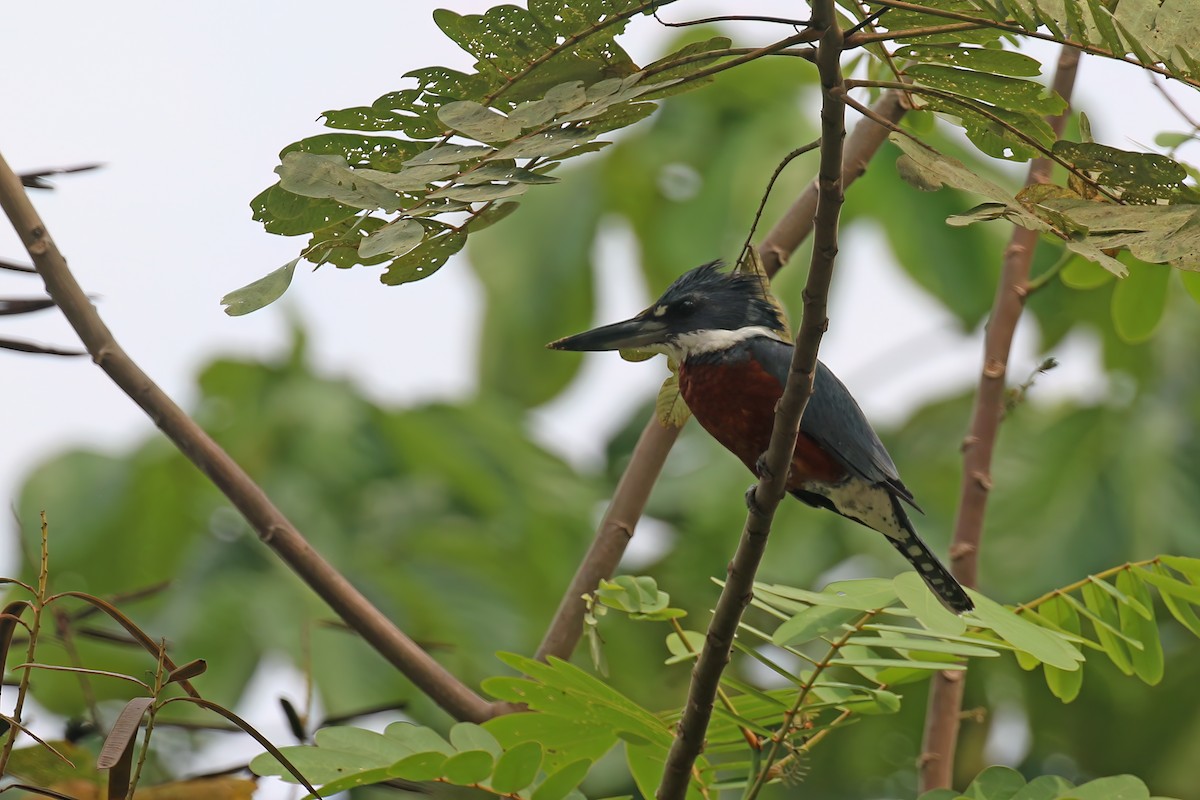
<point x="275" y="530"/>
<point x="946" y="693"/>
<point x="764" y="498"/>
<point x="655" y="442"/>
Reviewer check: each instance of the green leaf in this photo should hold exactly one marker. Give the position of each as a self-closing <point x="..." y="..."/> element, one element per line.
<point x="287" y="214"/>
<point x="418" y="739"/>
<point x="1137" y="177"/>
<point x="544" y="145"/>
<point x="1082" y="273"/>
<point x="478" y="121"/>
<point x="482" y="192"/>
<point x="1046" y="646"/>
<point x="1167" y="584"/>
<point x="998" y="90"/>
<point x="918" y="598"/>
<point x="503" y="171"/>
<point x="1064" y="684"/>
<point x="469" y="736"/>
<point x="1138" y="301"/>
<point x="813" y="623"/>
<point x="903" y="663"/>
<point x="427" y="257"/>
<point x="995" y="783"/>
<point x="1187" y="565"/>
<point x="1154" y="233"/>
<point x="449" y="154"/>
<point x="1104" y="607"/>
<point x="1191" y="282"/>
<point x="420" y="767"/>
<point x="1116" y="787"/>
<point x="1147" y="662"/>
<point x="864" y="594"/>
<point x="517" y="768"/>
<point x="931" y="645"/>
<point x="468" y="767"/>
<point x="396" y="238"/>
<point x="262" y="292"/>
<point x="681" y="651"/>
<point x="983" y="59"/>
<point x="558" y="784"/>
<point x="330" y="176"/>
<point x="1043" y="787"/>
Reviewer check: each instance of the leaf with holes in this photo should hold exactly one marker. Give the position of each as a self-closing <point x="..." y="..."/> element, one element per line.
<point x="395" y="238"/>
<point x="427" y="257"/>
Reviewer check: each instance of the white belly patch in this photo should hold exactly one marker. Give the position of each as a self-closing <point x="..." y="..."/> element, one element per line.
<point x="864" y="502"/>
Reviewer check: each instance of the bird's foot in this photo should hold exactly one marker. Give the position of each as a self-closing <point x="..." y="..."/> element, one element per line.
<point x="752" y="500"/>
<point x="761" y="469"/>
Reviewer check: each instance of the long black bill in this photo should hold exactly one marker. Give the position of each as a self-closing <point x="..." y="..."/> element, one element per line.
<point x="641" y="331"/>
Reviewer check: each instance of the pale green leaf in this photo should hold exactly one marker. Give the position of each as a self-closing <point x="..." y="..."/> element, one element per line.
<point x="395" y="238"/>
<point x="262" y="292"/>
<point x="449" y="154"/>
<point x="1042" y="644"/>
<point x="468" y="767"/>
<point x="558" y="784"/>
<point x="478" y="121"/>
<point x="1147" y="662"/>
<point x="469" y="736"/>
<point x="330" y="176"/>
<point x="813" y="623"/>
<point x="920" y="600"/>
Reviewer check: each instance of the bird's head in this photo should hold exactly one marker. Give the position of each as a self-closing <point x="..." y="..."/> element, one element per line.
<point x="702" y="311"/>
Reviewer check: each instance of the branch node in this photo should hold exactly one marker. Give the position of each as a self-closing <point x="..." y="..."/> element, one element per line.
<point x="994" y="368"/>
<point x="983" y="480"/>
<point x="961" y="550"/>
<point x="968" y="442"/>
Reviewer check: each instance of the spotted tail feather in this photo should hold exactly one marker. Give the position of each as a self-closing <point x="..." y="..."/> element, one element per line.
<point x="927" y="565"/>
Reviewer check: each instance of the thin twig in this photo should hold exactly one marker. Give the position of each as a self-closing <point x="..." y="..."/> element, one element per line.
<point x="795" y="23"/>
<point x="655" y="442"/>
<point x="945" y="698"/>
<point x="276" y="531"/>
<point x="764" y="498"/>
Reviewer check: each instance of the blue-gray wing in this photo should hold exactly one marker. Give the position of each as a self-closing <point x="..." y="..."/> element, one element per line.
<point x="835" y="421"/>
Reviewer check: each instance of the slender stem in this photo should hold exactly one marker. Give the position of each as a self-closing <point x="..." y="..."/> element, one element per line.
<point x="633" y="490"/>
<point x="764" y="498"/>
<point x="945" y="698"/>
<point x="276" y="531"/>
<point x="789" y="717"/>
<point x="861" y="39"/>
<point x="38" y="606"/>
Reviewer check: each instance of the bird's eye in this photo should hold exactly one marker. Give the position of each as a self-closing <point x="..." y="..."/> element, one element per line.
<point x="686" y="306"/>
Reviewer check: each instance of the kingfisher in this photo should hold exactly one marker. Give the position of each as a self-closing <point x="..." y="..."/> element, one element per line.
<point x="724" y="333"/>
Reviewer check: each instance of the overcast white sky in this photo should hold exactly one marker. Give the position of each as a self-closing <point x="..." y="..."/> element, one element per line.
<point x="188" y="104"/>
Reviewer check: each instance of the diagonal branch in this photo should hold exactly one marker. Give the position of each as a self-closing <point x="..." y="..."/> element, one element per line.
<point x="655" y="442"/>
<point x="946" y="693"/>
<point x="764" y="498"/>
<point x="276" y="531"/>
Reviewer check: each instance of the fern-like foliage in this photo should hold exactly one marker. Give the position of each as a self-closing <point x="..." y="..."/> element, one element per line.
<point x="457" y="149"/>
<point x="840" y="654"/>
<point x="406" y="179"/>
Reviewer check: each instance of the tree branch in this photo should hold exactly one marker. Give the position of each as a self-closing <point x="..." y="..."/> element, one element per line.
<point x="764" y="498"/>
<point x="655" y="442"/>
<point x="276" y="531"/>
<point x="945" y="698"/>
